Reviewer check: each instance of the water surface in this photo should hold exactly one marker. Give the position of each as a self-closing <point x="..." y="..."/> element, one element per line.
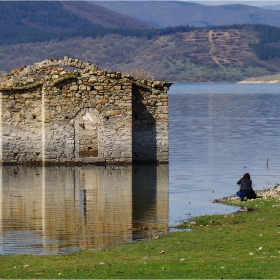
<point x="57" y="210"/>
<point x="216" y="133"/>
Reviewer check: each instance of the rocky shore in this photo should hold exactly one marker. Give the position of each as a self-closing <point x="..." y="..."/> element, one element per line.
<point x="270" y="79"/>
<point x="272" y="193"/>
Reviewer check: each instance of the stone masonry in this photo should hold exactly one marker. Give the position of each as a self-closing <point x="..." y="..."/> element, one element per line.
<point x="69" y="112"/>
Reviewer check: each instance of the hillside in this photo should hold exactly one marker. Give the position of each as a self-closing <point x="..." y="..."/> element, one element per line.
<point x="272" y="7"/>
<point x="174" y="13"/>
<point x="200" y="55"/>
<point x="33" y="31"/>
<point x="103" y="16"/>
<point x="33" y="21"/>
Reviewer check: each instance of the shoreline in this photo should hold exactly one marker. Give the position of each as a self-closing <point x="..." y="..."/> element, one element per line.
<point x="259" y="82"/>
<point x="232" y="246"/>
<point x="267" y="194"/>
<point x="269" y="79"/>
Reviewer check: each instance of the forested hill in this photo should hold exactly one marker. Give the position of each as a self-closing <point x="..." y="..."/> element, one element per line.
<point x="33" y="21"/>
<point x="36" y="30"/>
<point x="181" y="54"/>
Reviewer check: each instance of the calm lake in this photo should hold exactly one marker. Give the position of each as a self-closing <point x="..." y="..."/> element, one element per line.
<point x="217" y="132"/>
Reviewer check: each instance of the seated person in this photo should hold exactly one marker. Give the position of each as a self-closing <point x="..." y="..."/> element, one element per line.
<point x="246" y="189"/>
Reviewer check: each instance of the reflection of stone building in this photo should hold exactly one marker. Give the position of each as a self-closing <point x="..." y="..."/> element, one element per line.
<point x="53" y="115"/>
<point x="71" y="208"/>
<point x="150" y="200"/>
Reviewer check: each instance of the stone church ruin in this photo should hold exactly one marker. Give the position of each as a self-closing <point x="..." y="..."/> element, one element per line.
<point x="69" y="112"/>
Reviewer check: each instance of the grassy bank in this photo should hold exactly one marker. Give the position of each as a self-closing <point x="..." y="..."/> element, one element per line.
<point x="241" y="245"/>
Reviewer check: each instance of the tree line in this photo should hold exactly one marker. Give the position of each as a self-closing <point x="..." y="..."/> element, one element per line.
<point x="268" y="35"/>
<point x="15" y="33"/>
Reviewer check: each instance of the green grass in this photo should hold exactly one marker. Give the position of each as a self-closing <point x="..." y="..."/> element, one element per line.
<point x="240" y="245"/>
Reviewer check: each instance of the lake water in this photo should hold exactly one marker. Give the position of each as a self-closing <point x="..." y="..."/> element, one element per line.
<point x="217" y="132"/>
<point x="56" y="210"/>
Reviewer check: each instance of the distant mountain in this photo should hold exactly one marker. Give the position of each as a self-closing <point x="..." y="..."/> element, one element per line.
<point x="272" y="7"/>
<point x="64" y="15"/>
<point x="31" y="21"/>
<point x="31" y="31"/>
<point x="37" y="15"/>
<point x="174" y="13"/>
<point x="103" y="16"/>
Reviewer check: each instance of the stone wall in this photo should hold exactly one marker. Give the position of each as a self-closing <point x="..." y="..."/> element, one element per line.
<point x="87" y="115"/>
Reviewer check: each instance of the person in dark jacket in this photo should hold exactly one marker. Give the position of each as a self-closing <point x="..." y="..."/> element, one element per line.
<point x="246" y="189"/>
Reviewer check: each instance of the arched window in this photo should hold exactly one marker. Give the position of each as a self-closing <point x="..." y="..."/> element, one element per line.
<point x="86" y="133"/>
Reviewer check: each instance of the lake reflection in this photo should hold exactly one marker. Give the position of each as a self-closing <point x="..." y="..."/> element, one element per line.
<point x="216" y="133"/>
<point x="56" y="209"/>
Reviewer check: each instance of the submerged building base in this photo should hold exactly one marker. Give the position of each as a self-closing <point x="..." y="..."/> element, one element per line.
<point x="53" y="115"/>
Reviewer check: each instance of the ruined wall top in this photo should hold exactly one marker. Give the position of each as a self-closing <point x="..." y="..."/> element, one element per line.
<point x="51" y="71"/>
